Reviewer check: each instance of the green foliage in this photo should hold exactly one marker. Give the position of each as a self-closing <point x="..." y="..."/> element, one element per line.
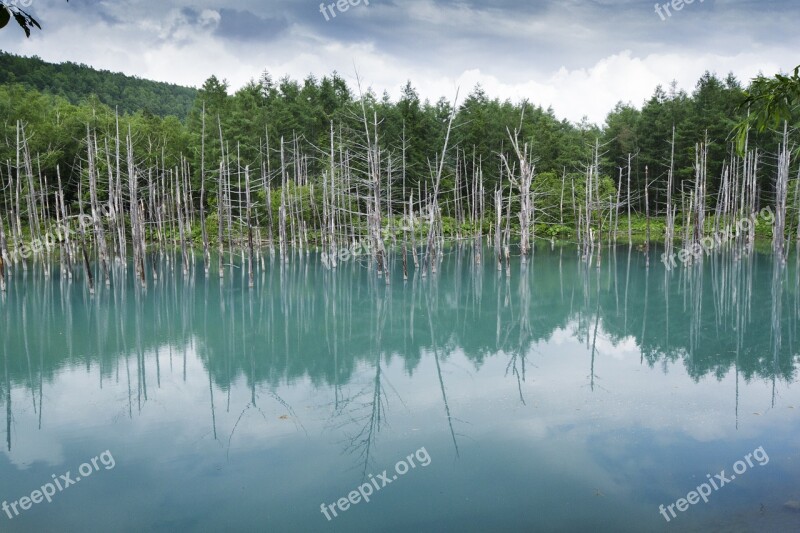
<point x="451" y="228"/>
<point x="55" y="103"/>
<point x="78" y="83"/>
<point x="555" y="231"/>
<point x="300" y="202"/>
<point x="548" y="188"/>
<point x="707" y="115"/>
<point x="56" y="134"/>
<point x="770" y="102"/>
<point x="639" y="226"/>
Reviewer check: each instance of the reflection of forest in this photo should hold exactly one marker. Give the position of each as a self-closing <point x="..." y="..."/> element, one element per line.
<point x="303" y="320"/>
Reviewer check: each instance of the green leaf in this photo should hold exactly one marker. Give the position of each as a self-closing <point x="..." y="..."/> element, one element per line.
<point x="5" y="16"/>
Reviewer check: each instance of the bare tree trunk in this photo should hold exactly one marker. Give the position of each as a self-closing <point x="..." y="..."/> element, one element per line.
<point x="86" y="267"/>
<point x="251" y="282"/>
<point x="66" y="250"/>
<point x="413" y="236"/>
<point x="282" y="209"/>
<point x="781" y="188"/>
<point x="647" y="216"/>
<point x="118" y="208"/>
<point x="498" y="208"/>
<point x="206" y="253"/>
<point x="523" y="185"/>
<point x="181" y="223"/>
<point x="136" y="227"/>
<point x="405" y="246"/>
<point x="630" y="231"/>
<point x="670" y="229"/>
<point x="99" y="234"/>
<point x="561" y="202"/>
<point x="429" y="251"/>
<point x="221" y="217"/>
<point x="3" y="255"/>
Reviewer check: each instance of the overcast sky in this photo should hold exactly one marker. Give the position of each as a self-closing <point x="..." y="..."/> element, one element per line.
<point x="580" y="56"/>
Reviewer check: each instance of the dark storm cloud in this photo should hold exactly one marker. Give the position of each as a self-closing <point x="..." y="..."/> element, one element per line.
<point x="551" y="33"/>
<point x="247" y="26"/>
<point x="91" y="11"/>
<point x="507" y="35"/>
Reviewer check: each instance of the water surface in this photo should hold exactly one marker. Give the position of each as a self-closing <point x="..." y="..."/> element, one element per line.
<point x="564" y="397"/>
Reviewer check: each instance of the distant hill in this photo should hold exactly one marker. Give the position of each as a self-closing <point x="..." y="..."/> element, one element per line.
<point x="77" y="82"/>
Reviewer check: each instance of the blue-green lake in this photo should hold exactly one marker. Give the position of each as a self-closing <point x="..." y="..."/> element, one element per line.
<point x="565" y="397"/>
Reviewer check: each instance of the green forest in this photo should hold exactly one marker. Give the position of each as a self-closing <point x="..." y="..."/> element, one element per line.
<point x="76" y="83"/>
<point x="172" y="127"/>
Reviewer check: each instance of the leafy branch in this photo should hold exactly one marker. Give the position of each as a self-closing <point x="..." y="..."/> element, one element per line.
<point x="768" y="102"/>
<point x="23" y="18"/>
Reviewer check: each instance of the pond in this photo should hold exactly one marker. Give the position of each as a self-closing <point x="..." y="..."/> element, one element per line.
<point x="569" y="395"/>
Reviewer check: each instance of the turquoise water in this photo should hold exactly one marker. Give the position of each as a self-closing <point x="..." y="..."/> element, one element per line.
<point x="565" y="397"/>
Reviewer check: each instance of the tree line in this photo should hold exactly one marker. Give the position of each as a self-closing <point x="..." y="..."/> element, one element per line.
<point x="56" y="103"/>
<point x="77" y="82"/>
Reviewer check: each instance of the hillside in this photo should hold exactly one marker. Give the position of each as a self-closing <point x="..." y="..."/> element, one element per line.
<point x="77" y="82"/>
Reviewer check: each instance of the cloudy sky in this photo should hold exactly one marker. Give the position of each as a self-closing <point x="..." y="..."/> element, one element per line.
<point x="579" y="56"/>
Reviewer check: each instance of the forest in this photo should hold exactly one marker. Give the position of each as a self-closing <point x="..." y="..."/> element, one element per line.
<point x="320" y="162"/>
<point x="76" y="83"/>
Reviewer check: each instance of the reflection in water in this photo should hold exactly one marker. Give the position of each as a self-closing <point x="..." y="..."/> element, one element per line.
<point x="306" y="322"/>
<point x="335" y="339"/>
